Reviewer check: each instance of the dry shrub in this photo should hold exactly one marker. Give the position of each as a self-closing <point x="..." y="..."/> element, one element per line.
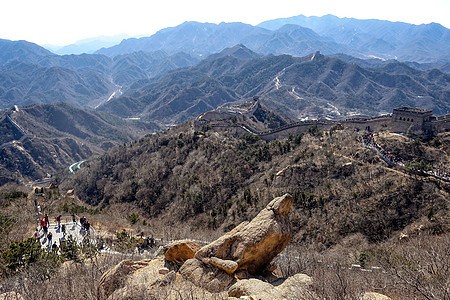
<point x="418" y="268"/>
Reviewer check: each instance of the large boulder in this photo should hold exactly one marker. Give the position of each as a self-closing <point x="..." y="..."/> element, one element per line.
<point x="206" y="276"/>
<point x="294" y="287"/>
<point x="116" y="277"/>
<point x="180" y="251"/>
<point x="142" y="280"/>
<point x="248" y="249"/>
<point x="252" y="245"/>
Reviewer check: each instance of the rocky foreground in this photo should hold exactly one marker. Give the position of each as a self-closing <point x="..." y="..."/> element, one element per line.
<point x="237" y="265"/>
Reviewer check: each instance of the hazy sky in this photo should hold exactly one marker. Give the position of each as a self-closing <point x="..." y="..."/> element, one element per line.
<point x="66" y="21"/>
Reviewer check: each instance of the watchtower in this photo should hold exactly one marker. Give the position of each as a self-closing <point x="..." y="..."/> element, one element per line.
<point x="411" y="119"/>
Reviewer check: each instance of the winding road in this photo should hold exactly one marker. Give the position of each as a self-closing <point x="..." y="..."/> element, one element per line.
<point x="77" y="164"/>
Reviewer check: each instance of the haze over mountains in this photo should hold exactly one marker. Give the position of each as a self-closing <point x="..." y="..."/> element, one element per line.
<point x="388" y="40"/>
<point x="300" y="36"/>
<point x="88" y="46"/>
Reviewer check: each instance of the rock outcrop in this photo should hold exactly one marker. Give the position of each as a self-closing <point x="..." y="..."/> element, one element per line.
<point x="206" y="276"/>
<point x="116" y="277"/>
<point x="245" y="251"/>
<point x="294" y="287"/>
<point x="252" y="245"/>
<point x="142" y="280"/>
<point x="180" y="251"/>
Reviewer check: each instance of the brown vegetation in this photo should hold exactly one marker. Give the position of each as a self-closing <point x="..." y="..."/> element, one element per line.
<point x="205" y="178"/>
<point x="349" y="208"/>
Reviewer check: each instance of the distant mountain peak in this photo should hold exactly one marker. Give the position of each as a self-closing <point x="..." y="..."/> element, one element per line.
<point x="238" y="51"/>
<point x="426" y="43"/>
<point x="316" y="56"/>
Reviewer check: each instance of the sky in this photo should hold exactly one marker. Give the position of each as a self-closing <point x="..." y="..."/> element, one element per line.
<point x="62" y="22"/>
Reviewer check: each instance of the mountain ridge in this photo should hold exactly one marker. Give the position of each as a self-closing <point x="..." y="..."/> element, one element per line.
<point x="425" y="43"/>
<point x="398" y="38"/>
<point x="85" y="80"/>
<point x="313" y="86"/>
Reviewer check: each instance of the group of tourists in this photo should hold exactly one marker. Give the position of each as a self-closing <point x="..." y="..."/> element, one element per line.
<point x="85" y="225"/>
<point x="144" y="243"/>
<point x="369" y="141"/>
<point x="46" y="234"/>
<point x="45" y="225"/>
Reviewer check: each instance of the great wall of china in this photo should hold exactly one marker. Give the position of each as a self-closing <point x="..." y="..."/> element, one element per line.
<point x="405" y="120"/>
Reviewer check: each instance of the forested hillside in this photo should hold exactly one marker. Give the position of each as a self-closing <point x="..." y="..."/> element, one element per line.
<point x="204" y="178"/>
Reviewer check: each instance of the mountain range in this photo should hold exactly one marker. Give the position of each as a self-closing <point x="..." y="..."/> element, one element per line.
<point x="313" y="86"/>
<point x="31" y="74"/>
<point x="88" y="46"/>
<point x="185" y="70"/>
<point x="377" y="38"/>
<point x="299" y="36"/>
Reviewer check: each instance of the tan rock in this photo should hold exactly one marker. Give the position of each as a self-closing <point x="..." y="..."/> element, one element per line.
<point x="228" y="266"/>
<point x="247" y="287"/>
<point x="180" y="251"/>
<point x="253" y="245"/>
<point x="374" y="296"/>
<point x="11" y="296"/>
<point x="206" y="276"/>
<point x="117" y="276"/>
<point x="295" y="287"/>
<point x="145" y="282"/>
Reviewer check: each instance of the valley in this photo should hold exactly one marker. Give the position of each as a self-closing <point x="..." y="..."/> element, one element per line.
<point x="39" y="141"/>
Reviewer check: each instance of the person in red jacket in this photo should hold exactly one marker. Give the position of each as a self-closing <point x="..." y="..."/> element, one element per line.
<point x="47" y="222"/>
<point x="58" y="219"/>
